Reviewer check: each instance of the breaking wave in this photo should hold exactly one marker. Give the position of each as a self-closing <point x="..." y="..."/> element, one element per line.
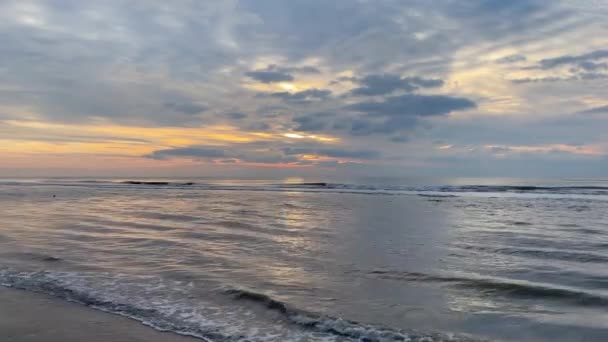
<point x="141" y="301"/>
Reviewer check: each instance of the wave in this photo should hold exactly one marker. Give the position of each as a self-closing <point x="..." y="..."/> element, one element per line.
<point x="437" y="195"/>
<point x="184" y="316"/>
<point x="337" y="326"/>
<point x="582" y="257"/>
<point x="156" y="183"/>
<point x="311" y="185"/>
<point x="566" y="192"/>
<point x="521" y="188"/>
<point x="505" y="287"/>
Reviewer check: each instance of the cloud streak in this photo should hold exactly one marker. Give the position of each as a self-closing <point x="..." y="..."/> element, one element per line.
<point x="274" y="73"/>
<point x="384" y="84"/>
<point x="583" y="59"/>
<point x="265" y="154"/>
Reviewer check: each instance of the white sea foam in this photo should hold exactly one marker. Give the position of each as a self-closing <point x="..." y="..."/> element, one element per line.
<point x="171" y="306"/>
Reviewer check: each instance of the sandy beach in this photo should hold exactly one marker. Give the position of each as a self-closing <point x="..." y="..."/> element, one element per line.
<point x="33" y="317"/>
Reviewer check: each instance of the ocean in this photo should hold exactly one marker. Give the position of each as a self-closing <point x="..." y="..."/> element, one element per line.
<point x="366" y="260"/>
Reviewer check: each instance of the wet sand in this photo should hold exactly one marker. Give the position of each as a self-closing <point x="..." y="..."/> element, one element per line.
<point x="33" y="317"/>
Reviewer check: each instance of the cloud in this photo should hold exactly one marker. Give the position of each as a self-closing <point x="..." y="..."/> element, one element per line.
<point x="552" y="79"/>
<point x="400" y="139"/>
<point x="511" y="59"/>
<point x="262" y="152"/>
<point x="392" y="116"/>
<point x="271" y="158"/>
<point x="334" y="152"/>
<point x="274" y="73"/>
<point x="386" y="83"/>
<point x="413" y="105"/>
<point x="302" y="70"/>
<point x="190" y="152"/>
<point x="591" y="66"/>
<point x="582" y="67"/>
<point x="236" y="116"/>
<point x="270" y="76"/>
<point x="259" y="126"/>
<point x="596" y="110"/>
<point x="399" y="114"/>
<point x="145" y="65"/>
<point x="186" y="108"/>
<point x="550" y="63"/>
<point x="300" y="96"/>
<point x="313" y="122"/>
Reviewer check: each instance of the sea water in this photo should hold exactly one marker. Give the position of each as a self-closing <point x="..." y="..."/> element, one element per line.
<point x="372" y="260"/>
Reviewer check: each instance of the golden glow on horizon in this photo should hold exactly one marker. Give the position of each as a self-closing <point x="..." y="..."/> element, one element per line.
<point x="103" y="140"/>
<point x="115" y="139"/>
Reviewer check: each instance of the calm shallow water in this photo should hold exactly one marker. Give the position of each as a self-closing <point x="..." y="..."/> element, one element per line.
<point x="256" y="261"/>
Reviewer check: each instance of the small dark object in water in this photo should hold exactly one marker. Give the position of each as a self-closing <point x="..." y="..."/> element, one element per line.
<point x="51" y="259"/>
<point x="54" y="196"/>
<point x="146" y="183"/>
<point x="314" y="184"/>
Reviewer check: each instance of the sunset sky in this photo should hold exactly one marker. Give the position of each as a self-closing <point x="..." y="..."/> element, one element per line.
<point x="303" y="87"/>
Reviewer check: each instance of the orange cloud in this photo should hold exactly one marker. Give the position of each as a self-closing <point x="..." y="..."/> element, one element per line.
<point x="29" y="143"/>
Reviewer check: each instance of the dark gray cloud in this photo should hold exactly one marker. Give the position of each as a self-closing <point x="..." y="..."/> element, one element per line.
<point x="388" y="126"/>
<point x="399" y="114"/>
<point x="583" y="67"/>
<point x="300" y="96"/>
<point x="393" y="116"/>
<point x="186" y="107"/>
<point x="236" y="115"/>
<point x="313" y="122"/>
<point x="413" y="105"/>
<point x="259" y="126"/>
<point x="274" y="73"/>
<point x="550" y="63"/>
<point x="302" y="70"/>
<point x="596" y="110"/>
<point x="270" y="76"/>
<point x="386" y="83"/>
<point x="309" y="124"/>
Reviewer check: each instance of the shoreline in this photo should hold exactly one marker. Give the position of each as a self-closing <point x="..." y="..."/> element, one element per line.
<point x="35" y="317"/>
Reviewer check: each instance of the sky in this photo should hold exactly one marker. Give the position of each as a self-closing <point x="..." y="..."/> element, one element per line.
<point x="266" y="88"/>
